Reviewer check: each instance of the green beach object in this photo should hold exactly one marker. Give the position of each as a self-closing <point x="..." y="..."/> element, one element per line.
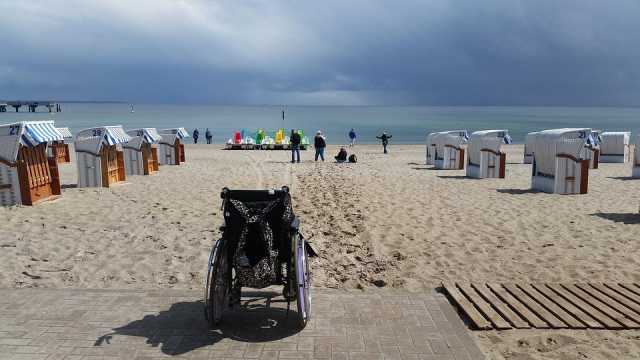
<point x="305" y="140"/>
<point x="259" y="136"/>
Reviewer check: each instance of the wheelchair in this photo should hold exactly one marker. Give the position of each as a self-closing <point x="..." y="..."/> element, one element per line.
<point x="260" y="246"/>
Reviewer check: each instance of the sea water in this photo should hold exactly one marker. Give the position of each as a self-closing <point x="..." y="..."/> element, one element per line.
<point x="407" y="124"/>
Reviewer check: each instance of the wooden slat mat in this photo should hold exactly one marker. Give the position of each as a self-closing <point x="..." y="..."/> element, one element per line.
<point x="547" y="306"/>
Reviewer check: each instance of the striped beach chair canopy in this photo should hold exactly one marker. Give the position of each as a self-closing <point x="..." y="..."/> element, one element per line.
<point x="141" y="136"/>
<point x="66" y="133"/>
<point x="178" y="133"/>
<point x="91" y="140"/>
<point x="169" y="136"/>
<point x="25" y="133"/>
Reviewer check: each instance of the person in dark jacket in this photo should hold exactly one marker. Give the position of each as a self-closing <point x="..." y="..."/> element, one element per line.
<point x="320" y="144"/>
<point x="196" y="134"/>
<point x="342" y="155"/>
<point x="208" y="136"/>
<point x="385" y="140"/>
<point x="295" y="145"/>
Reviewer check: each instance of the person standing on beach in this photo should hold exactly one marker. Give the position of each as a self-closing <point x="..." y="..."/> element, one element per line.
<point x="385" y="140"/>
<point x="352" y="137"/>
<point x="196" y="134"/>
<point x="319" y="142"/>
<point x="208" y="136"/>
<point x="295" y="146"/>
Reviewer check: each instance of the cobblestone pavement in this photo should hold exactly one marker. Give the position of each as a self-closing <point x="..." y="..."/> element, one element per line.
<point x="93" y="324"/>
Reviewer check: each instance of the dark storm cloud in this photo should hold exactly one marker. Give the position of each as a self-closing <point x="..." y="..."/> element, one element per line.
<point x="444" y="52"/>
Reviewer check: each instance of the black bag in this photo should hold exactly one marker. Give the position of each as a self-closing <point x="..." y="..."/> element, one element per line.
<point x="353" y="158"/>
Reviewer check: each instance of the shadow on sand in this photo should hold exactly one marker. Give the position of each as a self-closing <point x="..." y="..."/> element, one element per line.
<point x="623" y="178"/>
<point x="518" y="191"/>
<point x="625" y="218"/>
<point x="279" y="161"/>
<point x="183" y="328"/>
<point x="456" y="177"/>
<point x="423" y="168"/>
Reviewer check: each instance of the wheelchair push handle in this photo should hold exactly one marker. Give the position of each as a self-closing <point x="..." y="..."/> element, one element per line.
<point x="253" y="195"/>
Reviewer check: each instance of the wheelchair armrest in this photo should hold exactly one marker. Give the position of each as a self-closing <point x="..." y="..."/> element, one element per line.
<point x="295" y="223"/>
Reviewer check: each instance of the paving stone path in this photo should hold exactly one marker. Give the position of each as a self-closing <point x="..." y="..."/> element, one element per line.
<point x="113" y="324"/>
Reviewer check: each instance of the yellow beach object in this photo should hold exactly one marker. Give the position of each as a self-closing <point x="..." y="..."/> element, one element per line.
<point x="280" y="137"/>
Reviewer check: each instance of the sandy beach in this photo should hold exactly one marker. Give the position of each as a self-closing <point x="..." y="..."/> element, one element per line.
<point x="386" y="222"/>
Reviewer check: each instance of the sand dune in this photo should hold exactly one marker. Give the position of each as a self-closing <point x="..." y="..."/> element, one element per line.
<point x="388" y="221"/>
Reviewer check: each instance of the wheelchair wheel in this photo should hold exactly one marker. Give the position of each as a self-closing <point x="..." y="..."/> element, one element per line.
<point x="218" y="283"/>
<point x="303" y="281"/>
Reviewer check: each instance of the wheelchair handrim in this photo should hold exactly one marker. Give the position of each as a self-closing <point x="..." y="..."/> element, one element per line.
<point x="302" y="280"/>
<point x="212" y="256"/>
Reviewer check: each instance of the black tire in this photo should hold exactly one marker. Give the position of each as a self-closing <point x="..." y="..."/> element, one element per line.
<point x="303" y="281"/>
<point x="218" y="283"/>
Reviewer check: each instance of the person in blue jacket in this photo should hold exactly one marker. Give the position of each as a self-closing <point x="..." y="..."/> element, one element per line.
<point x="352" y="137"/>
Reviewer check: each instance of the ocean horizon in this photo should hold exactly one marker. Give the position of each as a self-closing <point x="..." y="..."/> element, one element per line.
<point x="407" y="124"/>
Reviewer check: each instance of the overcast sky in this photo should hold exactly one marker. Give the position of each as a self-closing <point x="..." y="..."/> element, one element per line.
<point x="347" y="52"/>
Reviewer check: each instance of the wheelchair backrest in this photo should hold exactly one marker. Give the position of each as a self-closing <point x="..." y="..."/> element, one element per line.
<point x="242" y="208"/>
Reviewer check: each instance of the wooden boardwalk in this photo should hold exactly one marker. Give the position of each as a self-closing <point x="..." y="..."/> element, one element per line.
<point x="547" y="306"/>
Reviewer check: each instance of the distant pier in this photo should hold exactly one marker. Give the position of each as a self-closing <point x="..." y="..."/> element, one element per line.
<point x="30" y="104"/>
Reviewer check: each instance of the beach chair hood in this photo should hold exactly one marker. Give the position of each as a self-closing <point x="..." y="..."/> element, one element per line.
<point x="456" y="138"/>
<point x="501" y="135"/>
<point x="91" y="140"/>
<point x="169" y="136"/>
<point x="26" y="133"/>
<point x="142" y="136"/>
<point x="486" y="139"/>
<point x="66" y="133"/>
<point x="548" y="144"/>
